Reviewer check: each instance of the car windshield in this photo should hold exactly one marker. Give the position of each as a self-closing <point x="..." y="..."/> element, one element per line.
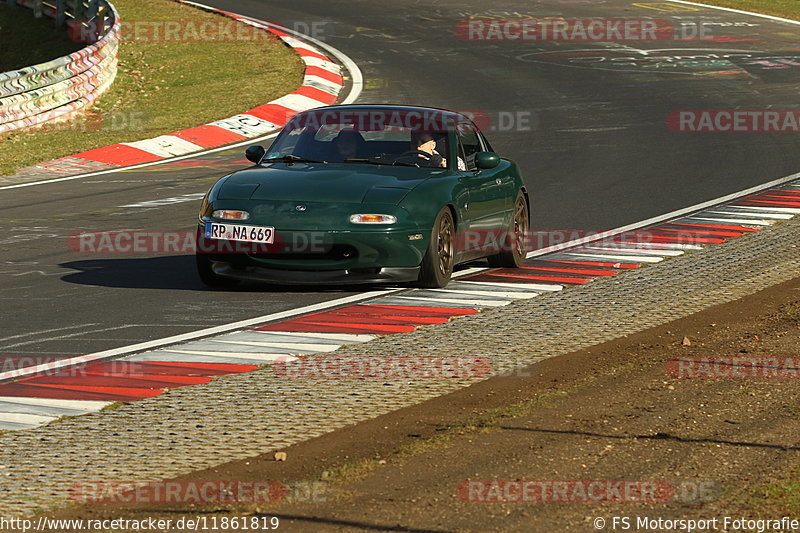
<point x="379" y="137"/>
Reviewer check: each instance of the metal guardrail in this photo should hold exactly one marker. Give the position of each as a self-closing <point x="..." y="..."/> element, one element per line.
<point x="54" y="91"/>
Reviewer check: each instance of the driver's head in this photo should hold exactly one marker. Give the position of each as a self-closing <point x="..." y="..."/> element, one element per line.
<point x="423" y="141"/>
<point x="348" y="143"/>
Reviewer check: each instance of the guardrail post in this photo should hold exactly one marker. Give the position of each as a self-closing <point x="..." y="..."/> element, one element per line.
<point x="37" y="8"/>
<point x="102" y="16"/>
<point x="61" y="12"/>
<point x="92" y="11"/>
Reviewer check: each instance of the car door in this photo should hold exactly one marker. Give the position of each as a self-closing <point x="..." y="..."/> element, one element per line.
<point x="488" y="199"/>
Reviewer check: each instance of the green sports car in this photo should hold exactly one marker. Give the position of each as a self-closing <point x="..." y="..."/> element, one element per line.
<point x="364" y="194"/>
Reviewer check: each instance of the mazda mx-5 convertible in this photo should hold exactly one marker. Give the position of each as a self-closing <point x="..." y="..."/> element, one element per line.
<point x="364" y="194"/>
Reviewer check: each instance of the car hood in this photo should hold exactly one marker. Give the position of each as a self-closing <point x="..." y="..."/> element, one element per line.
<point x="324" y="182"/>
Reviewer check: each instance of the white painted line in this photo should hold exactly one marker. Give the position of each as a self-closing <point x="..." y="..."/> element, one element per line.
<point x="321" y="83"/>
<point x="657" y="246"/>
<point x="9" y="426"/>
<point x="436" y="295"/>
<point x="297" y="102"/>
<point x="296" y="43"/>
<point x="47" y="331"/>
<point x="750" y="221"/>
<point x="472" y="286"/>
<point x="21" y="408"/>
<point x="792" y="210"/>
<point x="246" y="125"/>
<point x="633" y="250"/>
<point x="256" y="337"/>
<point x="321" y="63"/>
<point x="344" y="337"/>
<point x="162" y="356"/>
<point x="80" y="405"/>
<point x="624" y="258"/>
<point x="762" y="216"/>
<point x="498" y="294"/>
<point x="468" y="272"/>
<point x="213" y="345"/>
<point x="302" y="347"/>
<point x="22" y="418"/>
<point x="356" y="82"/>
<point x="270" y="357"/>
<point x="165" y="146"/>
<point x="738" y="11"/>
<point x="477" y="303"/>
<point x="519" y="286"/>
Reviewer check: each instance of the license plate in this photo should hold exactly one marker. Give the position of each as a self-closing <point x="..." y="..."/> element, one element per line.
<point x="240" y="232"/>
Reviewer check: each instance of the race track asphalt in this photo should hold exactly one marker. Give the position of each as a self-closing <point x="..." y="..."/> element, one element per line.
<point x="587" y="123"/>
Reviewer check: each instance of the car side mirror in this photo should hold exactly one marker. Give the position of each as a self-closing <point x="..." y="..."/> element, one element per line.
<point x="486" y="160"/>
<point x="255" y="153"/>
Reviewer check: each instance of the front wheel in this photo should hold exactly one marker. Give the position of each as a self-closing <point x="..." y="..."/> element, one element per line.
<point x="206" y="271"/>
<point x="211" y="278"/>
<point x="437" y="265"/>
<point x="514" y="249"/>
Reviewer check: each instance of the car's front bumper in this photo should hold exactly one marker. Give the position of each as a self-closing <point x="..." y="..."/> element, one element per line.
<point x="316" y="258"/>
<point x="317" y="277"/>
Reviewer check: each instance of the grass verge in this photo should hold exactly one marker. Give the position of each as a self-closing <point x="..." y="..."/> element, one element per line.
<point x="774" y="499"/>
<point x="164" y="86"/>
<point x="25" y="40"/>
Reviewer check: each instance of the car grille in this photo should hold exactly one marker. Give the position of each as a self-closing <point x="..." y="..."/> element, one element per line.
<point x="338" y="252"/>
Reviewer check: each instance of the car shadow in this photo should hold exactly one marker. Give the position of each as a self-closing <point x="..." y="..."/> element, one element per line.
<point x="174" y="272"/>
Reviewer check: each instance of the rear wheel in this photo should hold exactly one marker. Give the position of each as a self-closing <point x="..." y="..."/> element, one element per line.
<point x="513" y="245"/>
<point x="437" y="265"/>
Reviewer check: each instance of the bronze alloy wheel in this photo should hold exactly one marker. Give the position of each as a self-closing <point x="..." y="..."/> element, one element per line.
<point x="514" y="242"/>
<point x="520" y="226"/>
<point x="437" y="265"/>
<point x="445" y="244"/>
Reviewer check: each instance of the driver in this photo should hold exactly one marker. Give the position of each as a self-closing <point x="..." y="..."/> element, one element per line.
<point x="348" y="144"/>
<point x="423" y="141"/>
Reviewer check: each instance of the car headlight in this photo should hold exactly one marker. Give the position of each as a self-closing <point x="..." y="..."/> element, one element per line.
<point x="373" y="219"/>
<point x="230" y="214"/>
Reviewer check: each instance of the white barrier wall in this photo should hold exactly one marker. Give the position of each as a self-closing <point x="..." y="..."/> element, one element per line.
<point x="56" y="90"/>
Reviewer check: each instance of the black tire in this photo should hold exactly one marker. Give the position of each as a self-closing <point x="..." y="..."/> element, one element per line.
<point x="209" y="277"/>
<point x="513" y="242"/>
<point x="205" y="270"/>
<point x="437" y="265"/>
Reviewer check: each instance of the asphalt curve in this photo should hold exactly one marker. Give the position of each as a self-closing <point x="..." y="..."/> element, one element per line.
<point x="587" y="122"/>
